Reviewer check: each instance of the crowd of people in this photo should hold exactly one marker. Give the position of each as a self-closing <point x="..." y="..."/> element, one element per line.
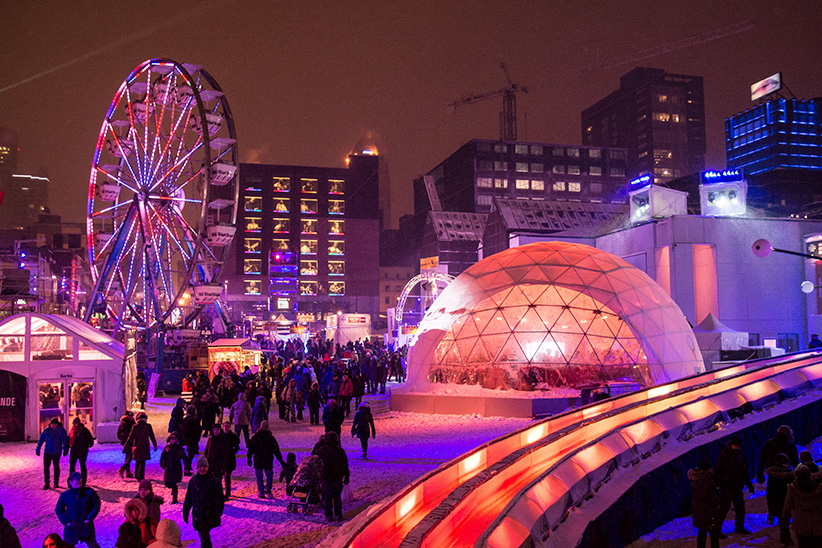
<point x="793" y="491"/>
<point x="319" y="376"/>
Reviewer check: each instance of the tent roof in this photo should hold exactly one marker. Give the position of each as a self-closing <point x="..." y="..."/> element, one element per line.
<point x="711" y="324"/>
<point x="248" y="343"/>
<point x="44" y="324"/>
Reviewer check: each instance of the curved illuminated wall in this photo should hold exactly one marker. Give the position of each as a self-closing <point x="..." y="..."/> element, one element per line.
<point x="551" y="315"/>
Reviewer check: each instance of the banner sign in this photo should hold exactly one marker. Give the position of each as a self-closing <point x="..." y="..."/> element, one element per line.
<point x="12" y="406"/>
<point x="767" y="86"/>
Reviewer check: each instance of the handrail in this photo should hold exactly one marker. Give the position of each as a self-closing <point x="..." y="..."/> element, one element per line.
<point x="388" y="523"/>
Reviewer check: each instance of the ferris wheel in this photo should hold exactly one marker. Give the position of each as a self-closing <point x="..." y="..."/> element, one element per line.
<point x="162" y="199"/>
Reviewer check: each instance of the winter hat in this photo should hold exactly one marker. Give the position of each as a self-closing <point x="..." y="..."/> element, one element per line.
<point x="141" y="416"/>
<point x="172" y="436"/>
<point x="168" y="532"/>
<point x="264" y="425"/>
<point x="805" y="456"/>
<point x="135" y="503"/>
<point x="55" y="420"/>
<point x="202" y="461"/>
<point x="146" y="484"/>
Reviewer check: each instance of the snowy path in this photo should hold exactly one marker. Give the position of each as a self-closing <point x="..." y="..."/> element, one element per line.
<point x="407" y="446"/>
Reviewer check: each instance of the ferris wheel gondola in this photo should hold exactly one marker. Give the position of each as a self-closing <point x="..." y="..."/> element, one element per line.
<point x="162" y="200"/>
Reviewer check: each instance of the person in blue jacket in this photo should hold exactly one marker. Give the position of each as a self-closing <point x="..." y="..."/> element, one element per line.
<point x="56" y="442"/>
<point x="76" y="510"/>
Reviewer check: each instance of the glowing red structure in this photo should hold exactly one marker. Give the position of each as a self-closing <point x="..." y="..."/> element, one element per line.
<point x="553" y="314"/>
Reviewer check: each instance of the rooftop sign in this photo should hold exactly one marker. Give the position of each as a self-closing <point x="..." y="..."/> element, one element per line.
<point x="725" y="176"/>
<point x="767" y="86"/>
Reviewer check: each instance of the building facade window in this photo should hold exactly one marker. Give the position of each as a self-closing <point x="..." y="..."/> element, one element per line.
<point x="336" y="288"/>
<point x="558" y="151"/>
<point x="523" y="184"/>
<point x="537" y="167"/>
<point x="308" y="247"/>
<point x="595" y="171"/>
<point x="308" y="268"/>
<point x="500" y="183"/>
<point x="308" y="226"/>
<point x="279" y="245"/>
<point x="253" y="245"/>
<point x="559" y="168"/>
<point x="281" y="205"/>
<point x="662" y="117"/>
<point x="309" y="185"/>
<point x="617" y="172"/>
<point x="522" y="167"/>
<point x="500" y="166"/>
<point x="559" y="186"/>
<point x="574" y="187"/>
<point x="521" y="149"/>
<point x="336" y="186"/>
<point x="336" y="247"/>
<point x="308" y="206"/>
<point x="537" y="150"/>
<point x="616" y="154"/>
<point x="573" y="152"/>
<point x="573" y="170"/>
<point x="500" y="148"/>
<point x="281" y="184"/>
<point x="337" y="268"/>
<point x="485" y="182"/>
<point x="485" y="165"/>
<point x="253" y="224"/>
<point x="308" y="288"/>
<point x="282" y="226"/>
<point x="253" y="203"/>
<point x="252" y="287"/>
<point x="336" y="227"/>
<point x="336" y="207"/>
<point x="484" y="199"/>
<point x="537" y="184"/>
<point x="594" y="153"/>
<point x="252" y="266"/>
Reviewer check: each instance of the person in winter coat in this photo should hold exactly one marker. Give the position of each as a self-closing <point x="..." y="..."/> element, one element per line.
<point x="782" y="443"/>
<point x="346" y="393"/>
<point x="191" y="436"/>
<point x="175" y="423"/>
<point x="705" y="504"/>
<point x="232" y="441"/>
<point x="241" y="416"/>
<point x="210" y="407"/>
<point x="261" y="453"/>
<point x="259" y="413"/>
<point x="141" y="435"/>
<point x="148" y="525"/>
<point x="168" y="535"/>
<point x="172" y="461"/>
<point x="335" y="474"/>
<point x="216" y="451"/>
<point x="363" y="427"/>
<point x="803" y="504"/>
<point x="314" y="399"/>
<point x="204" y="501"/>
<point x="333" y="416"/>
<point x="76" y="510"/>
<point x="359" y="389"/>
<point x="127" y="422"/>
<point x="142" y="389"/>
<point x="56" y="442"/>
<point x="80" y="441"/>
<point x="731" y="476"/>
<point x="8" y="536"/>
<point x="293" y="398"/>
<point x="129" y="534"/>
<point x="780" y="475"/>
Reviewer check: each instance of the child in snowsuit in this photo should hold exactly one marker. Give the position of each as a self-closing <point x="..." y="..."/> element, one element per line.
<point x="172" y="461"/>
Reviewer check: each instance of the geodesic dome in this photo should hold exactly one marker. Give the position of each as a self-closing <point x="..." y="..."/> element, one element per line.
<point x="553" y="314"/>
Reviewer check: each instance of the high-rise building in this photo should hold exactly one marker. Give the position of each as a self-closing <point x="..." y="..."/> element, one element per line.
<point x="778" y="146"/>
<point x="307" y="241"/>
<point x="658" y="117"/>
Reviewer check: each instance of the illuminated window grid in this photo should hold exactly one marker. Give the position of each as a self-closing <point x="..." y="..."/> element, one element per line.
<point x="309" y="185"/>
<point x="282" y="205"/>
<point x="336" y="186"/>
<point x="281" y="184"/>
<point x="336" y="289"/>
<point x="336" y="227"/>
<point x="336" y="247"/>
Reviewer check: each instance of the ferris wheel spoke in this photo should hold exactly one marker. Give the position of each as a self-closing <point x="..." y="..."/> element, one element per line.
<point x="170" y="232"/>
<point x="134" y="132"/>
<point x="118" y="180"/>
<point x="110" y="208"/>
<point x="177" y="164"/>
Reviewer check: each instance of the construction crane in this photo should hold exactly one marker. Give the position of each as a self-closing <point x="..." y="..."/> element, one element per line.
<point x="508" y="115"/>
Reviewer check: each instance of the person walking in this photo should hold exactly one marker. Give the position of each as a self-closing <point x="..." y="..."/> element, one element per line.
<point x="262" y="450"/>
<point x="731" y="476"/>
<point x="292" y="396"/>
<point x="259" y="413"/>
<point x="127" y="422"/>
<point x="211" y="407"/>
<point x="705" y="504"/>
<point x="780" y="475"/>
<point x="359" y="389"/>
<point x="363" y="427"/>
<point x="80" y="441"/>
<point x="241" y="416"/>
<point x="803" y="504"/>
<point x="175" y="423"/>
<point x="54" y="442"/>
<point x="216" y="451"/>
<point x="346" y="393"/>
<point x="333" y="416"/>
<point x="172" y="461"/>
<point x="335" y="474"/>
<point x="141" y="435"/>
<point x="314" y="400"/>
<point x="191" y="436"/>
<point x="204" y="501"/>
<point x="76" y="509"/>
<point x="8" y="535"/>
<point x="233" y="446"/>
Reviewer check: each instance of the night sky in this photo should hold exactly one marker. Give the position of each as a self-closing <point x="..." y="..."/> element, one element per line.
<point x="307" y="80"/>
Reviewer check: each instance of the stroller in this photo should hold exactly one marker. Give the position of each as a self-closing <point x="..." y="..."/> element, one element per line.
<point x="305" y="489"/>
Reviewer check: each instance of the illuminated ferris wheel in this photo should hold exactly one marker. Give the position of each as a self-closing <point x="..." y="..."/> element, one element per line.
<point x="162" y="201"/>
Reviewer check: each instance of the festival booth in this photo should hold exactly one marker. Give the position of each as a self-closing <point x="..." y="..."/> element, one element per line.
<point x="233" y="355"/>
<point x="348" y="327"/>
<point x="57" y="366"/>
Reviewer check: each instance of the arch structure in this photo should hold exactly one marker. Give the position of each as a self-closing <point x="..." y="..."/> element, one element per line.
<point x="552" y="315"/>
<point x="429" y="276"/>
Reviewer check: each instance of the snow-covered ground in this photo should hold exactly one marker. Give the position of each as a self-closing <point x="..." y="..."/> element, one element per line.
<point x="407" y="446"/>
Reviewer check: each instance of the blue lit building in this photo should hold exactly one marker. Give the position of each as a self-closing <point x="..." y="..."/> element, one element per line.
<point x="778" y="134"/>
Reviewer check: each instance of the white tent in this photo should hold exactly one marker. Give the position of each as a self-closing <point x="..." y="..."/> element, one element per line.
<point x="352" y="327"/>
<point x="713" y="336"/>
<point x="60" y="367"/>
